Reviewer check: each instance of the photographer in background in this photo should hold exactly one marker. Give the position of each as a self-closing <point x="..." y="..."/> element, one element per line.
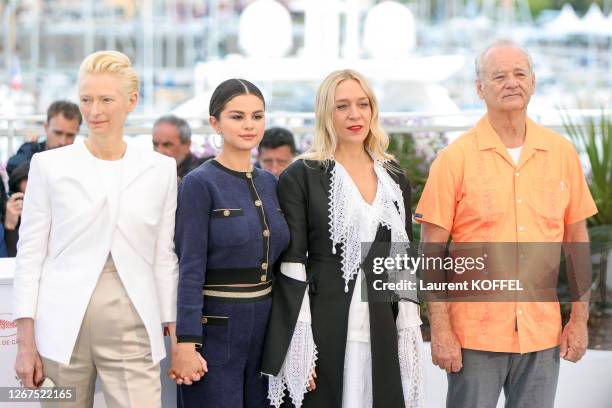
<point x="61" y="128"/>
<point x="12" y="217"/>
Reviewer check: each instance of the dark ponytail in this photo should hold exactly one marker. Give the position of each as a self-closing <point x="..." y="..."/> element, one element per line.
<point x="228" y="90"/>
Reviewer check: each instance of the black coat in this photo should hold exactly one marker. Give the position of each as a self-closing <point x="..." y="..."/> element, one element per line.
<point x="189" y="163"/>
<point x="24" y="154"/>
<point x="303" y="196"/>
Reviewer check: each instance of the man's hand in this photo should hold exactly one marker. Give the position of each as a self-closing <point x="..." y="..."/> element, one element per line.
<point x="14" y="206"/>
<point x="446" y="350"/>
<point x="574" y="340"/>
<point x="445" y="347"/>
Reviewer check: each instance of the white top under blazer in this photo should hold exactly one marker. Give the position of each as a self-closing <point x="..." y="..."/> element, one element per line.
<point x="69" y="225"/>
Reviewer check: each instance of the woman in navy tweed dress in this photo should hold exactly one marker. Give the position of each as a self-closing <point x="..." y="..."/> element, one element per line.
<point x="229" y="234"/>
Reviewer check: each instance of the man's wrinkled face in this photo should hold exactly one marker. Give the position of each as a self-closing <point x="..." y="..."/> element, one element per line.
<point x="506" y="82"/>
<point x="167" y="141"/>
<point x="275" y="160"/>
<point x="60" y="131"/>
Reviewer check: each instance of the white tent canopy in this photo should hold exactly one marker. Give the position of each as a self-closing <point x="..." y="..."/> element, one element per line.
<point x="595" y="22"/>
<point x="480" y="22"/>
<point x="567" y="22"/>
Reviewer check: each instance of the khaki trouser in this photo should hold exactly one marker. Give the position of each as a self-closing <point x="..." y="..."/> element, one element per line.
<point x="112" y="344"/>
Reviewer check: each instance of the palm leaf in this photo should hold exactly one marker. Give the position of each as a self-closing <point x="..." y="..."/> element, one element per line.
<point x="594" y="137"/>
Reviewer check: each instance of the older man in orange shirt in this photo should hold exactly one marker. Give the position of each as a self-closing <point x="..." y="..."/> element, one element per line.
<point x="506" y="180"/>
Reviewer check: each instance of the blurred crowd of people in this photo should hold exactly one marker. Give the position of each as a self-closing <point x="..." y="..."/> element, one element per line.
<point x="171" y="136"/>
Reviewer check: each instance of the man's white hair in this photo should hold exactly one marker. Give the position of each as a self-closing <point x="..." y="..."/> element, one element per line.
<point x="501" y="43"/>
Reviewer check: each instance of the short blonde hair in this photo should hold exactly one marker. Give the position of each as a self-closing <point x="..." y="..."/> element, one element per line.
<point x="115" y="63"/>
<point x="325" y="139"/>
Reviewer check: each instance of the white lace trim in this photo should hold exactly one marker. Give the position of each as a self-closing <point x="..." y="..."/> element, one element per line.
<point x="344" y="216"/>
<point x="411" y="366"/>
<point x="297" y="368"/>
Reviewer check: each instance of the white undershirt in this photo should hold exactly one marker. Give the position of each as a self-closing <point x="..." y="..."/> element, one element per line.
<point x="359" y="312"/>
<point x="110" y="173"/>
<point x="515" y="153"/>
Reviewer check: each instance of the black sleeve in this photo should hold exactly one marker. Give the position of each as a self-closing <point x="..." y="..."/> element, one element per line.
<point x="11" y="237"/>
<point x="288" y="293"/>
<point x="407" y="194"/>
<point x="292" y="196"/>
<point x="3" y="200"/>
<point x="24" y="154"/>
<point x="399" y="176"/>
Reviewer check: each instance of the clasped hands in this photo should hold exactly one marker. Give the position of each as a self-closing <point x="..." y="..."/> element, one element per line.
<point x="188" y="365"/>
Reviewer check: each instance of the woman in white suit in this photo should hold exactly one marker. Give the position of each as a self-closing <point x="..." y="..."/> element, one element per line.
<point x="96" y="273"/>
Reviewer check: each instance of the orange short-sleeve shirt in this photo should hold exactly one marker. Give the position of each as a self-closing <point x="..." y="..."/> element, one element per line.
<point x="477" y="193"/>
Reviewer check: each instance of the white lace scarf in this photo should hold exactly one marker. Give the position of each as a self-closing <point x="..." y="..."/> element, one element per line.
<point x="410" y="355"/>
<point x="344" y="218"/>
<point x="296" y="371"/>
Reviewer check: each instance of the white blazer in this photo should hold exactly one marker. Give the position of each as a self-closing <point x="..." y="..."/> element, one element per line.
<point x="68" y="227"/>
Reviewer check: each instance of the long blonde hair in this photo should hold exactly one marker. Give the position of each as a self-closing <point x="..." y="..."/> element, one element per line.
<point x="325" y="138"/>
<point x="112" y="62"/>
